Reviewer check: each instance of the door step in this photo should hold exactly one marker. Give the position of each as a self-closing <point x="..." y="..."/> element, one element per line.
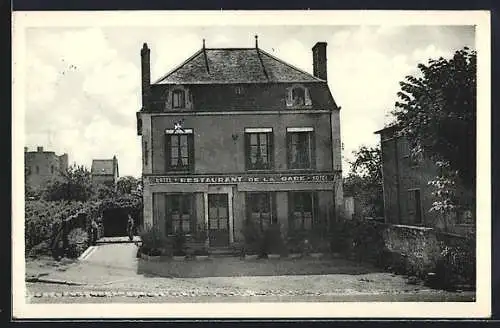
<point x="117" y="240"/>
<point x="222" y="251"/>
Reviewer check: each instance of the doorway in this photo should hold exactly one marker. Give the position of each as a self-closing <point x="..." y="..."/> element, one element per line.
<point x="218" y="220"/>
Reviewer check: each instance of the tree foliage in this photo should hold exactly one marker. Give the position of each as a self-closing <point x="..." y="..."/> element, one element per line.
<point x="127" y="184"/>
<point x="74" y="184"/>
<point x="436" y="111"/>
<point x="364" y="181"/>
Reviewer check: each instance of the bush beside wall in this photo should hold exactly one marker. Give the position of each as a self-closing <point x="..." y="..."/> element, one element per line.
<point x="444" y="260"/>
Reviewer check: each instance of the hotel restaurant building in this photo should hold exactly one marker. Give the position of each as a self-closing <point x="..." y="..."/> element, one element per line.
<point x="236" y="133"/>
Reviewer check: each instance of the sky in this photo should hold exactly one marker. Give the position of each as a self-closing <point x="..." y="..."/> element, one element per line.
<point x="83" y="84"/>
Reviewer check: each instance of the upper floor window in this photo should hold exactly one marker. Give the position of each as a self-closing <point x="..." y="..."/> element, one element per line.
<point x="178" y="99"/>
<point x="259" y="148"/>
<point x="179" y="150"/>
<point x="298" y="96"/>
<point x="52" y="169"/>
<point x="300" y="148"/>
<point x="37" y="170"/>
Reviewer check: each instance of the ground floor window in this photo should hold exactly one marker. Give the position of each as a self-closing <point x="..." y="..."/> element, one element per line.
<point x="179" y="209"/>
<point x="302" y="210"/>
<point x="261" y="208"/>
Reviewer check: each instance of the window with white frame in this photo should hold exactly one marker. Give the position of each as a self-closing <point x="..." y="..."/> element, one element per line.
<point x="179" y="150"/>
<point x="300" y="148"/>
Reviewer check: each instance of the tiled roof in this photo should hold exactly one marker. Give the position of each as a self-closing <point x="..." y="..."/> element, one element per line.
<point x="235" y="65"/>
<point x="102" y="167"/>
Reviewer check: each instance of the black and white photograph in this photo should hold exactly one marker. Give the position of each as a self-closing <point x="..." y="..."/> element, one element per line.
<point x="236" y="164"/>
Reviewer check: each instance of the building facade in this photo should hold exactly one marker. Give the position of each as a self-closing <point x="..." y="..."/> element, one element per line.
<point x="234" y="134"/>
<point x="105" y="171"/>
<point x="408" y="197"/>
<point x="42" y="166"/>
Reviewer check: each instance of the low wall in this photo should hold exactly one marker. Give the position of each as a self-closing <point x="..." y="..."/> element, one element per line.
<point x="416" y="251"/>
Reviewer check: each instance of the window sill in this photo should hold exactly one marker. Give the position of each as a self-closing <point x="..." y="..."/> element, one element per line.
<point x="260" y="170"/>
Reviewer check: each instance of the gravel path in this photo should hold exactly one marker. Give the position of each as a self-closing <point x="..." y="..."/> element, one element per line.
<point x="112" y="272"/>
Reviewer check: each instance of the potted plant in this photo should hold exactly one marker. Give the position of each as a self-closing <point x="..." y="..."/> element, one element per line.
<point x="252" y="247"/>
<point x="319" y="243"/>
<point x="179" y="246"/>
<point x="274" y="244"/>
<point x="153" y="243"/>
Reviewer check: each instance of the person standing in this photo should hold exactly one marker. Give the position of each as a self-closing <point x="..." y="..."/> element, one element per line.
<point x="130" y="227"/>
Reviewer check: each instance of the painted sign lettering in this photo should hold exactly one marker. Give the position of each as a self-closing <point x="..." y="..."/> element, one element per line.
<point x="231" y="179"/>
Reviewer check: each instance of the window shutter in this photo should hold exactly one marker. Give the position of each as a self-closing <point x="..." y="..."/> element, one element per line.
<point x="270" y="145"/>
<point x="191" y="151"/>
<point x="315" y="199"/>
<point x="312" y="141"/>
<point x="192" y="211"/>
<point x="168" y="217"/>
<point x="168" y="148"/>
<point x="289" y="150"/>
<point x="274" y="212"/>
<point x="247" y="151"/>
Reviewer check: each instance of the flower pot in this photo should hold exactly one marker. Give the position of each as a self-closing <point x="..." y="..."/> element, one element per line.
<point x="273" y="256"/>
<point x="316" y="255"/>
<point x="251" y="256"/>
<point x="294" y="255"/>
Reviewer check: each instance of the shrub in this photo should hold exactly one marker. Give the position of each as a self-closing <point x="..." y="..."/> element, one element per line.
<point x="78" y="241"/>
<point x="253" y="238"/>
<point x="456" y="265"/>
<point x="273" y="242"/>
<point x="153" y="241"/>
<point x="179" y="244"/>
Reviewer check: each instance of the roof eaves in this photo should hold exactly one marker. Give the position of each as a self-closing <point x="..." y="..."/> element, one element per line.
<point x="293" y="67"/>
<point x="240" y="82"/>
<point x="179" y="66"/>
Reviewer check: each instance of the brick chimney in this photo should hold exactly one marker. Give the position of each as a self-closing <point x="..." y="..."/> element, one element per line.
<point x="145" y="74"/>
<point x="319" y="60"/>
<point x="39" y="149"/>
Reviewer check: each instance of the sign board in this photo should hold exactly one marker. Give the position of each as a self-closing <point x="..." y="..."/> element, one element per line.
<point x="245" y="178"/>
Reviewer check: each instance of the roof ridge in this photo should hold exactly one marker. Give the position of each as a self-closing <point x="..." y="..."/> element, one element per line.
<point x="179" y="66"/>
<point x="291" y="66"/>
<point x="262" y="64"/>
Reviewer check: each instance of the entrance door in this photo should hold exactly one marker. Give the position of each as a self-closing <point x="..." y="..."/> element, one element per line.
<point x="218" y="220"/>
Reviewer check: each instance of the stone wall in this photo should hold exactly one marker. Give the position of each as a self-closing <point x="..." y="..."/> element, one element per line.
<point x="446" y="258"/>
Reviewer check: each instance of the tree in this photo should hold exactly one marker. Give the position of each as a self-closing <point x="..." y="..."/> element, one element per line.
<point x="436" y="111"/>
<point x="127" y="184"/>
<point x="74" y="184"/>
<point x="364" y="181"/>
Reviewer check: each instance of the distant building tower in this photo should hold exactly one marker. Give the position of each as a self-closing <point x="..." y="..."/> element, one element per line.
<point x="42" y="166"/>
<point x="105" y="171"/>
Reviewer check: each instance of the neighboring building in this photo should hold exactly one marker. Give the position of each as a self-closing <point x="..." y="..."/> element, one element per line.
<point x="105" y="171"/>
<point x="236" y="133"/>
<point x="407" y="195"/>
<point x="42" y="166"/>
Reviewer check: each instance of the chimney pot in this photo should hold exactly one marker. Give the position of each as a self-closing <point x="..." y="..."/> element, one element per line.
<point x="39" y="149"/>
<point x="319" y="60"/>
<point x="25" y="149"/>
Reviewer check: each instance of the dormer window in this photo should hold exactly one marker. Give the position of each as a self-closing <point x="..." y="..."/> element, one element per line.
<point x="298" y="96"/>
<point x="178" y="99"/>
